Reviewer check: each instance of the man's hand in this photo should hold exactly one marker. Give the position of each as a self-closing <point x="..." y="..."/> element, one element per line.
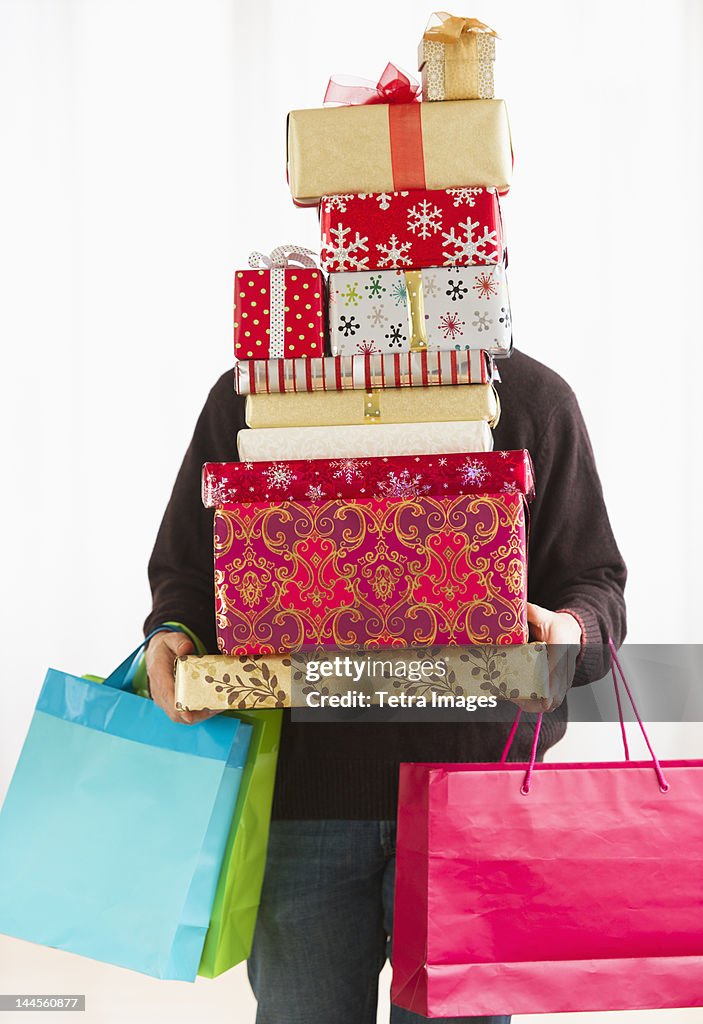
<point x="161" y="653"/>
<point x="562" y="634"/>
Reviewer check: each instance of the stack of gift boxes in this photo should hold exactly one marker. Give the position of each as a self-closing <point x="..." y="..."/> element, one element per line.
<point x="369" y="510"/>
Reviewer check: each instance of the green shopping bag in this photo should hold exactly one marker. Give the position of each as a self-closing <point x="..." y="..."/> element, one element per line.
<point x="229" y="937"/>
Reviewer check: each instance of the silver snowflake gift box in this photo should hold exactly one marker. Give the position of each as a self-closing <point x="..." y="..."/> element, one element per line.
<point x="433" y="309"/>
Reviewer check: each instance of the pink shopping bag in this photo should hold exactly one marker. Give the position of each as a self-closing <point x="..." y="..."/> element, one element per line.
<point x="544" y="888"/>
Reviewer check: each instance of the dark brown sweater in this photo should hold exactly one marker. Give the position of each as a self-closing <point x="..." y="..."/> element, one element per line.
<point x="350" y="769"/>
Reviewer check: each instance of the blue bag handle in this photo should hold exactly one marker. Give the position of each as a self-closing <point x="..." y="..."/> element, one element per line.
<point x="122" y="677"/>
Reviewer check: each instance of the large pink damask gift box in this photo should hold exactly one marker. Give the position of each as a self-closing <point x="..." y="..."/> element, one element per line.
<point x="370" y="572"/>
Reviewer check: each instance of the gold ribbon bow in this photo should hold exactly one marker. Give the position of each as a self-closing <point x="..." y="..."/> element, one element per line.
<point x="448" y="28"/>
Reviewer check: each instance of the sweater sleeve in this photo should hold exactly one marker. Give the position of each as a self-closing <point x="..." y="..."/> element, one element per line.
<point x="181" y="572"/>
<point x="574" y="561"/>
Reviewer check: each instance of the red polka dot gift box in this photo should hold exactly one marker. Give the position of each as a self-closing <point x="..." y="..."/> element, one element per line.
<point x="279" y="307"/>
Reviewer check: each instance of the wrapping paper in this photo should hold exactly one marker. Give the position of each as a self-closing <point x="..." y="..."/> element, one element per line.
<point x="398" y="476"/>
<point x="458" y="71"/>
<point x="584" y="894"/>
<point x="389" y="405"/>
<point x="279" y="312"/>
<point x="370" y="572"/>
<point x="360" y="442"/>
<point x="462" y="142"/>
<point x="217" y="682"/>
<point x="362" y="373"/>
<point x="417" y="228"/>
<point x="440" y="308"/>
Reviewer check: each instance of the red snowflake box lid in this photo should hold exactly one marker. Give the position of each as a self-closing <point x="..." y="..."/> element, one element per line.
<point x="400" y="476"/>
<point x="452" y="227"/>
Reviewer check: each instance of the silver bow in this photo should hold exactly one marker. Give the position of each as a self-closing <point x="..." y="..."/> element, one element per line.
<point x="283" y="256"/>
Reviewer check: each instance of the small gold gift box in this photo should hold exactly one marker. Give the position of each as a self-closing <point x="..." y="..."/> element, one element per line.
<point x="456" y="57"/>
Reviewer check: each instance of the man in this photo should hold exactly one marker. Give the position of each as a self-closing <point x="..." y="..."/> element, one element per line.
<point x="326" y="913"/>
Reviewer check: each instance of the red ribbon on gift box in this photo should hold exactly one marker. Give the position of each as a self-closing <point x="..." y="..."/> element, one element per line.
<point x="401" y="93"/>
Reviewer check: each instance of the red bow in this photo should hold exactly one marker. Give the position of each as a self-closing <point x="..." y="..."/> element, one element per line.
<point x="394" y="86"/>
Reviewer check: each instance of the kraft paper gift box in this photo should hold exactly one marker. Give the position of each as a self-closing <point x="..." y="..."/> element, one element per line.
<point x="412" y="310"/>
<point x="399" y="476"/>
<point x="370" y="572"/>
<point x="360" y="442"/>
<point x="431" y="228"/>
<point x="386" y="148"/>
<point x="218" y="682"/>
<point x="363" y="372"/>
<point x="279" y="311"/>
<point x="382" y="405"/>
<point x="456" y="57"/>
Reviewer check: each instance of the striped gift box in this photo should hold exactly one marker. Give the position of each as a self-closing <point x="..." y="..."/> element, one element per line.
<point x="364" y="372"/>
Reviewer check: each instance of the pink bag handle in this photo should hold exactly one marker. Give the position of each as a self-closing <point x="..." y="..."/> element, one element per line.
<point x="615" y="663"/>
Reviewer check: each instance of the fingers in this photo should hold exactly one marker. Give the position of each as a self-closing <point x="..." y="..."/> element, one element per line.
<point x="538" y="621"/>
<point x="161" y="654"/>
<point x="193" y="717"/>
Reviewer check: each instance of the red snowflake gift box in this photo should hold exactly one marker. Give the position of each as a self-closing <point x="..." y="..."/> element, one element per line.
<point x="399" y="476"/>
<point x="279" y="308"/>
<point x="418" y="228"/>
<point x="370" y="572"/>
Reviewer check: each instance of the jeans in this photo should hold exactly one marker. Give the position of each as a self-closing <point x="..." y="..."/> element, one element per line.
<point x="324" y="925"/>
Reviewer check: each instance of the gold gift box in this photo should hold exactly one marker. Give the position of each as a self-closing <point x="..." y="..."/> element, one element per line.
<point x="358" y="442"/>
<point x="217" y="682"/>
<point x="348" y="149"/>
<point x="381" y="405"/>
<point x="457" y="71"/>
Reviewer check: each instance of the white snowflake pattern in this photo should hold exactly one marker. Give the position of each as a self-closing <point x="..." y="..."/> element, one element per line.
<point x="218" y="492"/>
<point x="377" y="317"/>
<point x="510" y="487"/>
<point x="424" y="219"/>
<point x="394" y="253"/>
<point x="382" y="198"/>
<point x="402" y="485"/>
<point x="343" y="252"/>
<point x="482" y="321"/>
<point x="467" y="249"/>
<point x="248" y="465"/>
<point x="430" y="286"/>
<point x="279" y="475"/>
<point x="315" y="492"/>
<point x="473" y="473"/>
<point x="349" y="469"/>
<point x="338" y="202"/>
<point x="464" y="195"/>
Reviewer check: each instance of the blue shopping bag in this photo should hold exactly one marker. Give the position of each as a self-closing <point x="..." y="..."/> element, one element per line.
<point x="115" y="824"/>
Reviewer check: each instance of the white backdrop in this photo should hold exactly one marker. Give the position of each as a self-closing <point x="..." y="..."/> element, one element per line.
<point x="143" y="155"/>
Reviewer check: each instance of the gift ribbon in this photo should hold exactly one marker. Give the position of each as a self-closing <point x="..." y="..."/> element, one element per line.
<point x="448" y="28"/>
<point x="401" y="93"/>
<point x="372" y="407"/>
<point x="394" y="86"/>
<point x="280" y="259"/>
<point x="416" y="310"/>
<point x="283" y="256"/>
